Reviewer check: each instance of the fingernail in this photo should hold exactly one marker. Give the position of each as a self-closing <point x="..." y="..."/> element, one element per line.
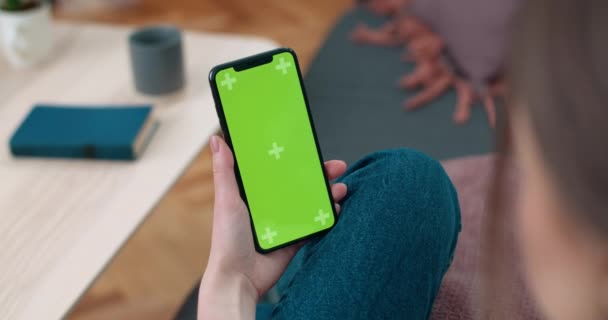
<point x="215" y="144"/>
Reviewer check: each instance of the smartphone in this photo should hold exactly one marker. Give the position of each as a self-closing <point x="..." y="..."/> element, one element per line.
<point x="264" y="114"/>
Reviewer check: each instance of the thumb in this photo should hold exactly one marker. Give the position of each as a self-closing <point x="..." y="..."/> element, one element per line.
<point x="226" y="188"/>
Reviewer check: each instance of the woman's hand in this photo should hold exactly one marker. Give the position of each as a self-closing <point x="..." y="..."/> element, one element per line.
<point x="233" y="260"/>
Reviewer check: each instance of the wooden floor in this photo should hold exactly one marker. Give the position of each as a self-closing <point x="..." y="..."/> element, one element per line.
<point x="153" y="273"/>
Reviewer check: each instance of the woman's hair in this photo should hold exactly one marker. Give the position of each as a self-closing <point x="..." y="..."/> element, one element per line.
<point x="558" y="78"/>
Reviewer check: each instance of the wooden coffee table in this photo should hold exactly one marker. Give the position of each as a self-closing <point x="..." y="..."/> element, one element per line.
<point x="62" y="221"/>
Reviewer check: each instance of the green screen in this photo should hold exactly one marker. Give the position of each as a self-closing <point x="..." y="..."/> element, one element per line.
<point x="274" y="146"/>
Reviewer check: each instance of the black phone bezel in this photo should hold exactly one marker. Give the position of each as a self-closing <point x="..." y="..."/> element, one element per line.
<point x="244" y="64"/>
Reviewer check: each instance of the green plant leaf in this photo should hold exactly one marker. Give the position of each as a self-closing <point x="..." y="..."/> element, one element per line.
<point x="12" y="5"/>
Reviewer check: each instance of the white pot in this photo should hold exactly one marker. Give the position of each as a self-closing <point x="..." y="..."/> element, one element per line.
<point x="26" y="35"/>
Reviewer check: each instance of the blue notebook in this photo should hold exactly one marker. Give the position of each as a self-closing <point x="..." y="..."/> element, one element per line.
<point x="112" y="132"/>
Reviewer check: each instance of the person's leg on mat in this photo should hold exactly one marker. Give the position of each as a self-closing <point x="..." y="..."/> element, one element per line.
<point x="389" y="250"/>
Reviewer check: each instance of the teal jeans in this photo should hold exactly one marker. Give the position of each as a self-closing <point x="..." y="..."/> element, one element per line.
<point x="387" y="254"/>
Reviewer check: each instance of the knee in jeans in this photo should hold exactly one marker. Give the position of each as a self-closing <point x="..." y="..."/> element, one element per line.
<point x="414" y="195"/>
<point x="400" y="170"/>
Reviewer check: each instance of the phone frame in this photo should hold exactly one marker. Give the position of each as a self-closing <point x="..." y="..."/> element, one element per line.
<point x="252" y="62"/>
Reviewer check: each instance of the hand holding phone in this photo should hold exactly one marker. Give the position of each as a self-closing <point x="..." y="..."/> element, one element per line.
<point x="252" y="117"/>
<point x="233" y="255"/>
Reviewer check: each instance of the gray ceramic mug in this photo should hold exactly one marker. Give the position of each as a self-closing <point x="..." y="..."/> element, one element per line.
<point x="157" y="59"/>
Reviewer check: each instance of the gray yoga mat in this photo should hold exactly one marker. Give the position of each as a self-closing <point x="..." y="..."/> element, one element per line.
<point x="356" y="104"/>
